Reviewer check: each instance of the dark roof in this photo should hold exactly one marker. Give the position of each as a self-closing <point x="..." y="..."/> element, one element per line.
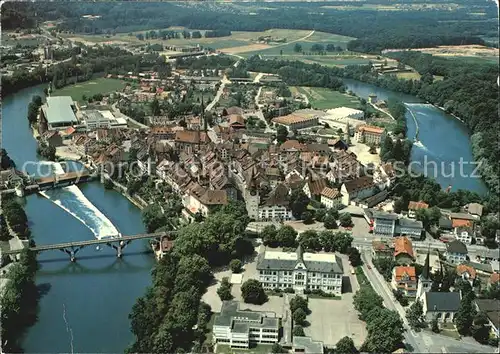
<point x="456" y="247"/>
<point x="445" y="223"/>
<point x="279" y="196"/>
<point x="426" y="274"/>
<point x="441" y="301"/>
<point x="383" y="215"/>
<point x="359" y="184"/>
<point x="318" y="148"/>
<point x="491" y="308"/>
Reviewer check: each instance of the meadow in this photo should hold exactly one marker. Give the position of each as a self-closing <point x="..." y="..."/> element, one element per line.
<point x="90" y="88"/>
<point x="323" y="98"/>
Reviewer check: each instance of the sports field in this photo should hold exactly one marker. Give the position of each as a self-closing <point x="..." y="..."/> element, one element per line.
<point x="323" y="98"/>
<point x="90" y="88"/>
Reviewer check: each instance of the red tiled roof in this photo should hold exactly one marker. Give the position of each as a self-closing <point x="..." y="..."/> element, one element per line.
<point x="403" y="245"/>
<point x="494" y="278"/>
<point x="402" y="270"/>
<point x="417" y="205"/>
<point x="462" y="268"/>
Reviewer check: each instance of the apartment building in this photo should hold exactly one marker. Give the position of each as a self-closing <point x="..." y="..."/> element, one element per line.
<point x="368" y="134"/>
<point x="300" y="271"/>
<point x="404" y="279"/>
<point x="238" y="328"/>
<point x="456" y="252"/>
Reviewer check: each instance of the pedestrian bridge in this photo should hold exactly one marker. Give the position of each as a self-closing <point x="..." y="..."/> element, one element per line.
<point x="118" y="243"/>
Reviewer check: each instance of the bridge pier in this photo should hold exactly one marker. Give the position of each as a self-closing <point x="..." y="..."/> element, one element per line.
<point x="72" y="251"/>
<point x="119" y="247"/>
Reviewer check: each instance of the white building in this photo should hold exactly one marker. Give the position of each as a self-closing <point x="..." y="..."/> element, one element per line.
<point x="359" y="188"/>
<point x="238" y="328"/>
<point x="330" y="197"/>
<point x="464" y="234"/>
<point x="341" y="113"/>
<point x="300" y="271"/>
<point x="456" y="252"/>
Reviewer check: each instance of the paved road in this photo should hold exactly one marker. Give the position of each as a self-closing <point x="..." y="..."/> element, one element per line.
<point x="421" y="342"/>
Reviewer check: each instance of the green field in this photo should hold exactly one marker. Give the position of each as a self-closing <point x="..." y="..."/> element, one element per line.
<point x="289" y="49"/>
<point x="323" y="98"/>
<point x="90" y="88"/>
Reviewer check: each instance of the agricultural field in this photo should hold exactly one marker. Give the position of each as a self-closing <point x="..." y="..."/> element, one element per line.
<point x="90" y="88"/>
<point x="323" y="98"/>
<point x="408" y="75"/>
<point x="396" y="7"/>
<point x="467" y="51"/>
<point x="15" y="39"/>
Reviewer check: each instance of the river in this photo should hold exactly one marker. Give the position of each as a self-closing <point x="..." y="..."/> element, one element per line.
<point x="85" y="305"/>
<point x="444" y="140"/>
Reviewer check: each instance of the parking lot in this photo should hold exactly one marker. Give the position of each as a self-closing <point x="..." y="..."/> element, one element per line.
<point x="330" y="320"/>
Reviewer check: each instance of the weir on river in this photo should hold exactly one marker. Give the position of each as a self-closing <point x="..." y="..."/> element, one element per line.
<point x="73" y="201"/>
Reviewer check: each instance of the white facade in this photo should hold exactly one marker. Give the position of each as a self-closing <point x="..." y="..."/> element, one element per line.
<point x="330" y="202"/>
<point x="311" y="271"/>
<point x="274" y="212"/>
<point x="464" y="236"/>
<point x="455" y="257"/>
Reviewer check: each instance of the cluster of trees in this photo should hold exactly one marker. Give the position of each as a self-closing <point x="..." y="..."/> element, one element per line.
<point x="5" y="161"/>
<point x="237" y="72"/>
<point x="299" y="310"/>
<point x="398" y="151"/>
<point x="385" y="327"/>
<point x="205" y="62"/>
<point x="19" y="301"/>
<point x="217" y="33"/>
<point x="296" y="73"/>
<point x="219" y="238"/>
<point x="46" y="151"/>
<point x="224" y="290"/>
<point x="16" y="217"/>
<point x="159" y="217"/>
<point x="163" y="320"/>
<point x="375" y="30"/>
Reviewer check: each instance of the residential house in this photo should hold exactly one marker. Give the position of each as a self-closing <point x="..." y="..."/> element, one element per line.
<point x="238" y="328"/>
<point x="464" y="234"/>
<point x="330" y="197"/>
<point x="404" y="279"/>
<point x="441" y="305"/>
<point x="313" y="188"/>
<point x="276" y="207"/>
<point x="414" y="206"/>
<point x="467" y="273"/>
<point x="456" y="252"/>
<point x="360" y="188"/>
<point x="236" y="121"/>
<point x="491" y="308"/>
<point x="403" y="251"/>
<point x="463" y="219"/>
<point x="200" y="200"/>
<point x="300" y="271"/>
<point x="445" y="223"/>
<point x="475" y="209"/>
<point x="372" y="201"/>
<point x="382" y="249"/>
<point x="307" y="345"/>
<point x="52" y="138"/>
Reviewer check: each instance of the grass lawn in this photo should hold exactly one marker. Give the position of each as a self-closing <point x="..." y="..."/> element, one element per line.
<point x="258" y="348"/>
<point x="4" y="246"/>
<point x="323" y="98"/>
<point x="90" y="88"/>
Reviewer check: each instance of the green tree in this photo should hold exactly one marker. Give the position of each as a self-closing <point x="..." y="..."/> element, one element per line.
<point x="342" y="241"/>
<point x="480" y="329"/>
<point x="415" y="315"/>
<point x="235" y="265"/>
<point x="465" y="315"/>
<point x="345" y="220"/>
<point x="385" y="330"/>
<point x="108" y="184"/>
<point x="329" y="222"/>
<point x="224" y="290"/>
<point x="270" y="236"/>
<point x="354" y="256"/>
<point x="386" y="149"/>
<point x="4" y="232"/>
<point x="298" y="203"/>
<point x="299" y="316"/>
<point x="298" y="331"/>
<point x="297" y="48"/>
<point x="155" y="107"/>
<point x="287" y="236"/>
<point x="365" y="300"/>
<point x="435" y="324"/>
<point x="276" y="348"/>
<point x="310" y="240"/>
<point x="307" y="217"/>
<point x="253" y="293"/>
<point x="298" y="302"/>
<point x="345" y="346"/>
<point x="320" y="214"/>
<point x="281" y="134"/>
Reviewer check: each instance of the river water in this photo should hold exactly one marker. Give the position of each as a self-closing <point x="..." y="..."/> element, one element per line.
<point x="445" y="141"/>
<point x="85" y="305"/>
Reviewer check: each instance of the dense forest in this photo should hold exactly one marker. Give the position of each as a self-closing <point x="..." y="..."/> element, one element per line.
<point x="374" y="30"/>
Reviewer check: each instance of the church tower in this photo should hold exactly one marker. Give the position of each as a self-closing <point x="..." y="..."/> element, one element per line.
<point x="424" y="280"/>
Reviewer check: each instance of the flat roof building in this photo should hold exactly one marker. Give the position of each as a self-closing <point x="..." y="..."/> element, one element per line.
<point x="238" y="328"/>
<point x="58" y="113"/>
<point x="307" y="345"/>
<point x="294" y="121"/>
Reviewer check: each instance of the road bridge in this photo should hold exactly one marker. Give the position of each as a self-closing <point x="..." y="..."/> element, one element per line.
<point x="117" y="243"/>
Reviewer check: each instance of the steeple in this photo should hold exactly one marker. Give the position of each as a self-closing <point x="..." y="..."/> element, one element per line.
<point x="205" y="124"/>
<point x="300" y="253"/>
<point x="426" y="274"/>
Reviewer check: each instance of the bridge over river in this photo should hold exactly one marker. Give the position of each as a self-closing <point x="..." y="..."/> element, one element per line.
<point x="118" y="243"/>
